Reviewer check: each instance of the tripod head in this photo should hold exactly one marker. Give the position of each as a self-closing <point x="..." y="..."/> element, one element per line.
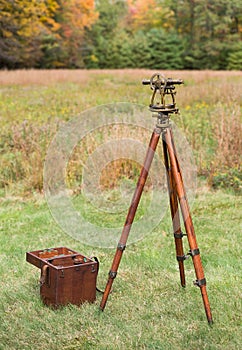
<point x="164" y="86"/>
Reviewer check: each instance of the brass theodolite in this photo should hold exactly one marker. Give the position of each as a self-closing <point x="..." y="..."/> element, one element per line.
<point x="164" y="89"/>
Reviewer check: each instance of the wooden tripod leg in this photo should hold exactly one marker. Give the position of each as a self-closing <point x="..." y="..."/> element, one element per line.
<point x="194" y="251"/>
<point x="131" y="213"/>
<point x="175" y="216"/>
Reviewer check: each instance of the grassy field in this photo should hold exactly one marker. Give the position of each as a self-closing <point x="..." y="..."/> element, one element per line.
<point x="34" y="104"/>
<point x="147" y="309"/>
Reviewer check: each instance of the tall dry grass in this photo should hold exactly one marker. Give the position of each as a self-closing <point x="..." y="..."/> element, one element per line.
<point x="45" y="77"/>
<point x="210" y="118"/>
<point x="42" y="77"/>
<point x="23" y="149"/>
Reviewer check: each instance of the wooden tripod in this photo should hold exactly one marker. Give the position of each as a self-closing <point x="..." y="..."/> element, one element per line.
<point x="177" y="196"/>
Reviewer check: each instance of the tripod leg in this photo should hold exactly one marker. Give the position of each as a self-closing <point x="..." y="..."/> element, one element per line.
<point x="175" y="216"/>
<point x="131" y="214"/>
<point x="194" y="251"/>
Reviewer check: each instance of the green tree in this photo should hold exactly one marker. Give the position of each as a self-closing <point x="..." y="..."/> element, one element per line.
<point x="141" y="51"/>
<point x="53" y="55"/>
<point x="209" y="29"/>
<point x="101" y="37"/>
<point x="166" y="50"/>
<point x="119" y="51"/>
<point x="235" y="58"/>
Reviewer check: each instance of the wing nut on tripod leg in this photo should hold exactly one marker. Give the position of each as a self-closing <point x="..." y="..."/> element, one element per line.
<point x="121" y="247"/>
<point x="200" y="283"/>
<point x="179" y="235"/>
<point x="182" y="257"/>
<point x="193" y="252"/>
<point x="112" y="274"/>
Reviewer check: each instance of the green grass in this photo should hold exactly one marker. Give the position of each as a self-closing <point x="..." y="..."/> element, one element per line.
<point x="147" y="309"/>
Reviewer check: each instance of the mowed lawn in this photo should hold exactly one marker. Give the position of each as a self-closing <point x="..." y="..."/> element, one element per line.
<point x="148" y="309"/>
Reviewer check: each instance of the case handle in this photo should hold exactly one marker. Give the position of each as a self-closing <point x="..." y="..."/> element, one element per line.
<point x="97" y="289"/>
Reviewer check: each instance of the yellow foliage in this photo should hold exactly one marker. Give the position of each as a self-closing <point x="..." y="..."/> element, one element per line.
<point x="28" y="18"/>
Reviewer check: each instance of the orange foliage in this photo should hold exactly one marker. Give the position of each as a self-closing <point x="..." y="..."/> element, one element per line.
<point x="77" y="15"/>
<point x="146" y="14"/>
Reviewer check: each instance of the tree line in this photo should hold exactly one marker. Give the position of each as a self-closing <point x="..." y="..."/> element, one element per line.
<point x="167" y="34"/>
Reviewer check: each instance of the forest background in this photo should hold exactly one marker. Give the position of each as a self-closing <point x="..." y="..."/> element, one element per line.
<point x="167" y="34"/>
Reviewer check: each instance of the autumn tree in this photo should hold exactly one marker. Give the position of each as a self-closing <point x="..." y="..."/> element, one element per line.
<point x="44" y="33"/>
<point x="22" y="26"/>
<point x="74" y="17"/>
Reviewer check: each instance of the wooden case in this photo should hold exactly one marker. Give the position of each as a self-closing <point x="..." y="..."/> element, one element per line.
<point x="66" y="276"/>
